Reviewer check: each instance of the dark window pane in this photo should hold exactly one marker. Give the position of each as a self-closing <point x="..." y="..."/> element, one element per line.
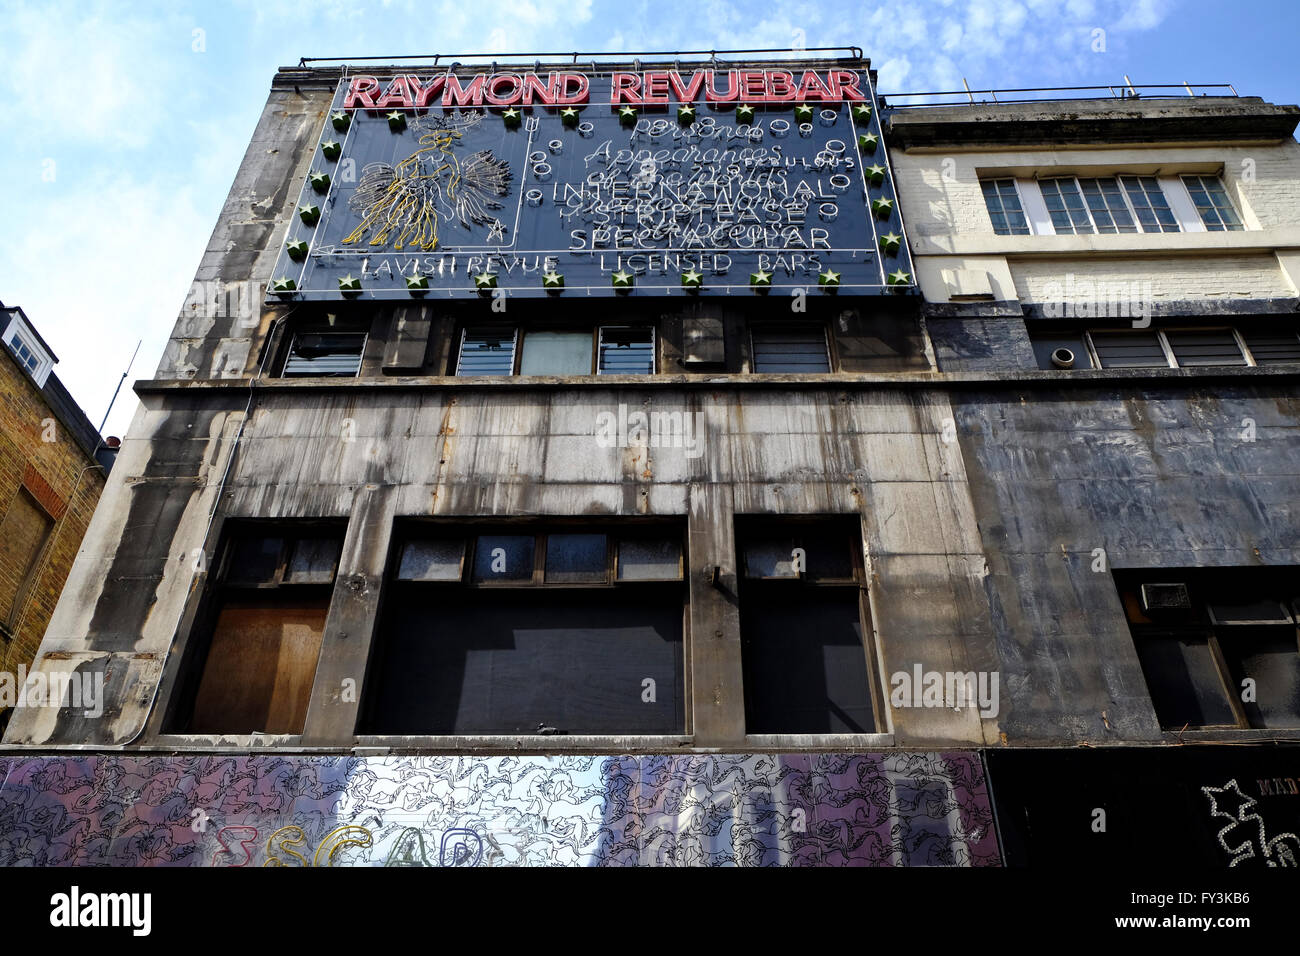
<point x="1184" y="681"/>
<point x="804" y="663"/>
<point x="313" y="561"/>
<point x="790" y="350"/>
<point x="556" y="353"/>
<point x="431" y="560"/>
<point x="773" y="558"/>
<point x="254" y="560"/>
<point x="1269" y="655"/>
<point x="503" y="558"/>
<point x="829" y="554"/>
<point x="649" y="559"/>
<point x="325" y="353"/>
<point x="487" y="352"/>
<point x="575" y="557"/>
<point x="1216" y="347"/>
<point x="487" y="665"/>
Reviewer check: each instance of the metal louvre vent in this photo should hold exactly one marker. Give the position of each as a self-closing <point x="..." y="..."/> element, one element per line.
<point x="626" y="351"/>
<point x="1212" y="347"/>
<point x="790" y="350"/>
<point x="325" y="354"/>
<point x="1165" y="597"/>
<point x="487" y="352"/>
<point x="1129" y="350"/>
<point x="1273" y="348"/>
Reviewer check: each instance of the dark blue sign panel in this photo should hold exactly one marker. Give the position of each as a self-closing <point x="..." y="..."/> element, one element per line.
<point x="717" y="182"/>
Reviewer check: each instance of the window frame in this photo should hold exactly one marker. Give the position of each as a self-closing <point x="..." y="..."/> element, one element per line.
<point x="1020" y="198"/>
<point x="293" y="341"/>
<point x="654" y="348"/>
<point x="1217" y="180"/>
<point x="18" y="328"/>
<point x="828" y="343"/>
<point x="464" y="333"/>
<point x="183" y="694"/>
<point x="748" y="529"/>
<point x="1171" y="358"/>
<point x="1123" y="191"/>
<point x="1200" y="622"/>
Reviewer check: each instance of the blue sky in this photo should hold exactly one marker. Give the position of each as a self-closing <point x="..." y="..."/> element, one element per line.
<point x="125" y="122"/>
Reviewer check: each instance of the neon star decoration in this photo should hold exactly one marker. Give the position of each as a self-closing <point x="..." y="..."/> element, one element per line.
<point x="511" y="117"/>
<point x="760" y="280"/>
<point x="320" y="181"/>
<point x="875" y="174"/>
<point x="899" y="278"/>
<point x="686" y="114"/>
<point x="341" y="121"/>
<point x="331" y="150"/>
<point x="803" y="113"/>
<point x="868" y="142"/>
<point x="692" y="279"/>
<point x="397" y="121"/>
<point x="622" y="280"/>
<point x="890" y="243"/>
<point x="309" y="214"/>
<point x="433" y="184"/>
<point x="883" y="208"/>
<point x="552" y="281"/>
<point x="828" y="278"/>
<point x="744" y="113"/>
<point x="417" y="284"/>
<point x="283" y="286"/>
<point x="349" y="283"/>
<point x="485" y="280"/>
<point x="626" y="115"/>
<point x="861" y="112"/>
<point x="569" y="116"/>
<point x="297" y="250"/>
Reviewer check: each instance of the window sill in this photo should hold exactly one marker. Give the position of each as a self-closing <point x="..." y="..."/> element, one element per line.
<point x="1232" y="735"/>
<point x="839" y="743"/>
<point x="1126" y="244"/>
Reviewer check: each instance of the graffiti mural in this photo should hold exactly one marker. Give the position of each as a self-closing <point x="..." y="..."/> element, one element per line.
<point x="877" y="809"/>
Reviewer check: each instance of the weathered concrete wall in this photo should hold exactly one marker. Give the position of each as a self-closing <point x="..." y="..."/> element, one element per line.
<point x="884" y="454"/>
<point x="1154" y="476"/>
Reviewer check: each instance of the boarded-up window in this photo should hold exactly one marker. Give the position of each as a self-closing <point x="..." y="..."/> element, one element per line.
<point x="807" y="670"/>
<point x="23" y="533"/>
<point x="260" y="666"/>
<point x="272" y="593"/>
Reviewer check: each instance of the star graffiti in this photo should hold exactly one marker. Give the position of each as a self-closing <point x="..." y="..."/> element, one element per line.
<point x="1244" y="833"/>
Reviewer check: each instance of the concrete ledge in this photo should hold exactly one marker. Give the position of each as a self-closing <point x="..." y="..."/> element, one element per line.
<point x="1200" y="119"/>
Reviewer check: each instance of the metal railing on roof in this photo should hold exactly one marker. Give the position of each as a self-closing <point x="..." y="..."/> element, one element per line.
<point x="458" y="59"/>
<point x="1122" y="91"/>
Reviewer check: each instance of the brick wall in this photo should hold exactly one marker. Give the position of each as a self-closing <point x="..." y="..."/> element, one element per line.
<point x="39" y="454"/>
